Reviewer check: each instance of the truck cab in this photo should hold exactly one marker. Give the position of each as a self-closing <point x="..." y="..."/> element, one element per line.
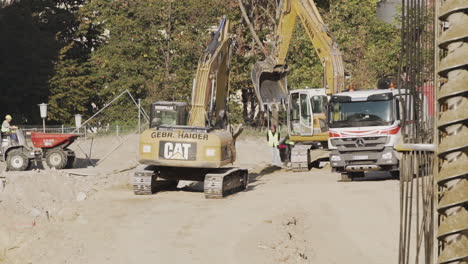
<point x="364" y="128"/>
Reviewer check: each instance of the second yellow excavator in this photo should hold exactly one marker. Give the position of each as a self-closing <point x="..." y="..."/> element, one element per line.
<point x="307" y="123"/>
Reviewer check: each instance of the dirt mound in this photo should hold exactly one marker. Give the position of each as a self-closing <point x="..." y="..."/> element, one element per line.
<point x="90" y="215"/>
<point x="32" y="199"/>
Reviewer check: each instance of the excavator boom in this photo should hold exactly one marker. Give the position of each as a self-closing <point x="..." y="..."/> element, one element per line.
<point x="211" y="81"/>
<point x="306" y="108"/>
<point x="269" y="76"/>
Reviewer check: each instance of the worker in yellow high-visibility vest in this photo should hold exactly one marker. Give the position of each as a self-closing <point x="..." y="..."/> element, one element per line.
<point x="273" y="139"/>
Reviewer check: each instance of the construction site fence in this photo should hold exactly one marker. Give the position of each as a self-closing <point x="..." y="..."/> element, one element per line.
<point x="121" y="130"/>
<point x="109" y="130"/>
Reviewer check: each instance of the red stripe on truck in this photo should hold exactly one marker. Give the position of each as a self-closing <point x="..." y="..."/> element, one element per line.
<point x="342" y="133"/>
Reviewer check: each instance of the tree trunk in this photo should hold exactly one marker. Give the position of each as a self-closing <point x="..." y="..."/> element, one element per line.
<point x="251" y="28"/>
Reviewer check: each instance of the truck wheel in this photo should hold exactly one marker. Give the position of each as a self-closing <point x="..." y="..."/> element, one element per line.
<point x="56" y="158"/>
<point x="17" y="160"/>
<point x="346" y="177"/>
<point x="358" y="174"/>
<point x="395" y="174"/>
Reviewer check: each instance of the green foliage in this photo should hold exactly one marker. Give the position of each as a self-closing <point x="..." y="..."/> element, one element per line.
<point x="71" y="91"/>
<point x="370" y="47"/>
<point x="150" y="48"/>
<point x="33" y="32"/>
<point x="305" y="67"/>
<point x="77" y="55"/>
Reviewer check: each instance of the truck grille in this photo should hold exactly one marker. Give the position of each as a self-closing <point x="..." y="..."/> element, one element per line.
<point x="361" y="162"/>
<point x="359" y="143"/>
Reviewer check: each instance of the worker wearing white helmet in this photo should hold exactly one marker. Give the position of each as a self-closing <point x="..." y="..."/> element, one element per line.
<point x="7" y="128"/>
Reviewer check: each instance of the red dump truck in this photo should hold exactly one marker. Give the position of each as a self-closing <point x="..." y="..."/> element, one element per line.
<point x="53" y="148"/>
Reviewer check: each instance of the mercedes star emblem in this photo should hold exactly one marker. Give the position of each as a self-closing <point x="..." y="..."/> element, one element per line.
<point x="360" y="142"/>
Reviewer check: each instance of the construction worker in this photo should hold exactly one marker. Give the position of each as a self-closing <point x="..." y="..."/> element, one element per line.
<point x="273" y="139"/>
<point x="288" y="146"/>
<point x="7" y="129"/>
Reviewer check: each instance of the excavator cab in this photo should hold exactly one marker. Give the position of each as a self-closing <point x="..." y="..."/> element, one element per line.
<point x="307" y="112"/>
<point x="168" y="114"/>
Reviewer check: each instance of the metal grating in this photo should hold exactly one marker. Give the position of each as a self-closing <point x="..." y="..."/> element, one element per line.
<point x="417" y="75"/>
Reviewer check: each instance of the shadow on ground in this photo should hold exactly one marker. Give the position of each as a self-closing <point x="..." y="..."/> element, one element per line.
<point x="376" y="176"/>
<point x="78" y="164"/>
<point x="81" y="163"/>
<point x="197" y="187"/>
<point x="255" y="177"/>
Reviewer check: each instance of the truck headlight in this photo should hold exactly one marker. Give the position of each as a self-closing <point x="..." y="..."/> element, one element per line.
<point x="335" y="158"/>
<point x="388" y="155"/>
<point x="146" y="148"/>
<point x="210" y="152"/>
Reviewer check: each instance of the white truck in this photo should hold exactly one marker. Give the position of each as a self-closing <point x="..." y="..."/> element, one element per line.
<point x="364" y="128"/>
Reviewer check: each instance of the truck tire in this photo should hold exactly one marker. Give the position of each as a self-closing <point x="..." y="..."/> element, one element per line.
<point x="395" y="174"/>
<point x="358" y="174"/>
<point x="346" y="177"/>
<point x="56" y="158"/>
<point x="17" y="160"/>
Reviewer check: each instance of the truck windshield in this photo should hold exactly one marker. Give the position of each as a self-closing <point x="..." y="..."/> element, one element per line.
<point x="367" y="113"/>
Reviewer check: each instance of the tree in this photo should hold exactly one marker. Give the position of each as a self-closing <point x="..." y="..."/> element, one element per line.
<point x="32" y="32"/>
<point x="370" y="47"/>
<point x="78" y="54"/>
<point x="150" y="48"/>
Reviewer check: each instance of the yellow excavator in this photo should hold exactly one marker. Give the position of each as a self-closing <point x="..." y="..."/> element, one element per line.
<point x="307" y="122"/>
<point x="195" y="144"/>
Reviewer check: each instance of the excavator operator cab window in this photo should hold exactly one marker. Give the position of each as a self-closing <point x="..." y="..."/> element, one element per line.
<point x="300" y="114"/>
<point x="294" y="109"/>
<point x="168" y="114"/>
<point x="305" y="110"/>
<point x="319" y="104"/>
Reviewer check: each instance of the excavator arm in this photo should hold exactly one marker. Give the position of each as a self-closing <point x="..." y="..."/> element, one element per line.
<point x="211" y="85"/>
<point x="269" y="76"/>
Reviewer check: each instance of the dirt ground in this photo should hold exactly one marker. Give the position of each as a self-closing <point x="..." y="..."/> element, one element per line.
<point x="90" y="215"/>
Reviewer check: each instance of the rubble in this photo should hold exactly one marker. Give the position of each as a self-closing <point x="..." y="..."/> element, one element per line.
<point x="81" y="197"/>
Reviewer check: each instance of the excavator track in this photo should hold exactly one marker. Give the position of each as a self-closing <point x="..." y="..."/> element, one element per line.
<point x="303" y="157"/>
<point x="143" y="182"/>
<point x="452" y="180"/>
<point x="219" y="184"/>
<point x="147" y="181"/>
<point x="300" y="158"/>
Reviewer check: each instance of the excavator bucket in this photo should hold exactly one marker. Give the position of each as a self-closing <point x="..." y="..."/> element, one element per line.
<point x="270" y="83"/>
